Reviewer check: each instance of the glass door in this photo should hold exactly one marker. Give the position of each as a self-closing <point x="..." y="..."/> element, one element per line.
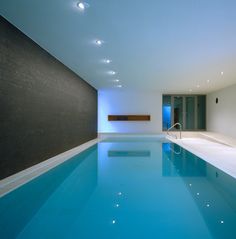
<point x="201" y="112"/>
<point x="190" y="112"/>
<point x="166" y="112"/>
<point x="178" y="111"/>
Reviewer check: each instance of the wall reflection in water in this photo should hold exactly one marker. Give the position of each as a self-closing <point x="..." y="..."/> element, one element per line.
<point x="129" y="153"/>
<point x="213" y="191"/>
<point x="50" y="197"/>
<point x="179" y="162"/>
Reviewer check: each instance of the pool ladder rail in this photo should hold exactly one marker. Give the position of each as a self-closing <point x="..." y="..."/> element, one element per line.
<point x="173" y="135"/>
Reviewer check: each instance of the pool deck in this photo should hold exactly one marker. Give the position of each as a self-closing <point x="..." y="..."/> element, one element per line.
<point x="216" y="149"/>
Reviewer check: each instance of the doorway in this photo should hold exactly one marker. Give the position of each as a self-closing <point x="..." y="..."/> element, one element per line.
<point x="188" y="110"/>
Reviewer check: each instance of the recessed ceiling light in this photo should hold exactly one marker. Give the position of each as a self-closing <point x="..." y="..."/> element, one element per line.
<point x="116" y="80"/>
<point x="98" y="42"/>
<point x="222" y="73"/>
<point x="82" y="5"/>
<point x="107" y="61"/>
<point x="112" y="72"/>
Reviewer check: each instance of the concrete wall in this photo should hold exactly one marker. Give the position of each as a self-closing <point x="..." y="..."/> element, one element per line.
<point x="121" y="101"/>
<point x="45" y="108"/>
<point x="221" y="117"/>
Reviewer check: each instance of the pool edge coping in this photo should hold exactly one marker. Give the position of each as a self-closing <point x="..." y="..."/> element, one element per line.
<point x="16" y="180"/>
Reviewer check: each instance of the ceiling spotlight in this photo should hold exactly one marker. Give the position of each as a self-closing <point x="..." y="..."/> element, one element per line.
<point x="106" y="60"/>
<point x="112" y="72"/>
<point x="82" y="5"/>
<point x="116" y="80"/>
<point x="98" y="42"/>
<point x="222" y="73"/>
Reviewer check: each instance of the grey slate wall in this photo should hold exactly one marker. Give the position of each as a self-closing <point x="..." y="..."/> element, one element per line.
<point x="45" y="108"/>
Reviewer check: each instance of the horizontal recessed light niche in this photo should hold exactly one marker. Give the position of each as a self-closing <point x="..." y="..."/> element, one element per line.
<point x="129" y="117"/>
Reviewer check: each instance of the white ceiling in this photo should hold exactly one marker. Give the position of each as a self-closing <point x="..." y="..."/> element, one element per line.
<point x="166" y="45"/>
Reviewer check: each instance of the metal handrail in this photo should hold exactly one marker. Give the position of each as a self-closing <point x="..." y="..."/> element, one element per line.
<point x="176" y="152"/>
<point x="180" y="130"/>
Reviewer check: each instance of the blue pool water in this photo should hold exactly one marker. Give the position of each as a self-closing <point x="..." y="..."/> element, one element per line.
<point x="136" y="188"/>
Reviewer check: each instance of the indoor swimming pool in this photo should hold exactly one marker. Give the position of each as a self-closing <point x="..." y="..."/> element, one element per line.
<point x="124" y="188"/>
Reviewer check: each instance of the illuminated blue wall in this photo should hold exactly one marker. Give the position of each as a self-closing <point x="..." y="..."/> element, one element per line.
<point x="120" y="101"/>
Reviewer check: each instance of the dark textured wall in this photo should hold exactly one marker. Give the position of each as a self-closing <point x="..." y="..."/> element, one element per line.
<point x="45" y="108"/>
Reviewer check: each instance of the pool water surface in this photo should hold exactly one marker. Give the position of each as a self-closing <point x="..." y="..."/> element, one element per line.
<point x="119" y="188"/>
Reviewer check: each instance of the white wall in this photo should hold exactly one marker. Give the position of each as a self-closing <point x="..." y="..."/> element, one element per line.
<point x="221" y="117"/>
<point x="120" y="101"/>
